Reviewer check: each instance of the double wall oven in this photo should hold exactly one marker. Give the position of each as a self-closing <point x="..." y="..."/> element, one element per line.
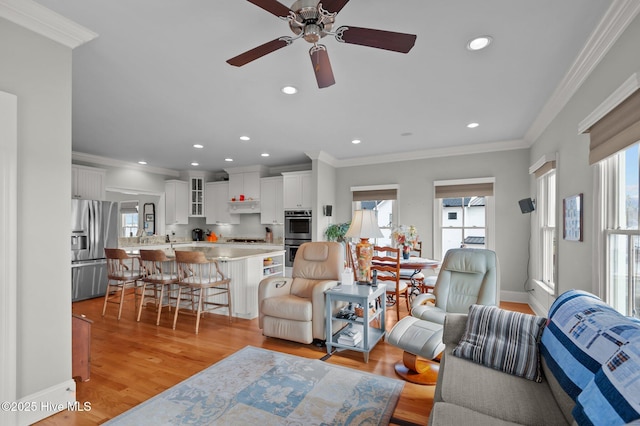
<point x="297" y="230"/>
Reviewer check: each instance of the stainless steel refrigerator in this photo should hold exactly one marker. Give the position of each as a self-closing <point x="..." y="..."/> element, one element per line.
<point x="94" y="226"/>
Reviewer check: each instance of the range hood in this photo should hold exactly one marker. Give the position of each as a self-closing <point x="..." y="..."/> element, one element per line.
<point x="244" y="207"/>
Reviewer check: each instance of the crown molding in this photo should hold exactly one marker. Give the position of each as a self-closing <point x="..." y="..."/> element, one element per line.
<point x="104" y="161"/>
<point x="615" y="21"/>
<point x="323" y="156"/>
<point x="616" y="98"/>
<point x="43" y="21"/>
<point x="434" y="153"/>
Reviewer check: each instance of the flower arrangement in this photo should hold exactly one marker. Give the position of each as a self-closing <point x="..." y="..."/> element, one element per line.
<point x="405" y="236"/>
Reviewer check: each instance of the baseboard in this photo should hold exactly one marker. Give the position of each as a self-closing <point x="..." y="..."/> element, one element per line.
<point x="537" y="307"/>
<point x="514" y="296"/>
<point x="47" y="402"/>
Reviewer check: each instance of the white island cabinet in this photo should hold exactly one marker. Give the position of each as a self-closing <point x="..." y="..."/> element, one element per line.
<point x="246" y="267"/>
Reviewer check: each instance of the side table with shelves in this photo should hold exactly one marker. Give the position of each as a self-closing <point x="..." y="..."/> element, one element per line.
<point x="275" y="266"/>
<point x="363" y="295"/>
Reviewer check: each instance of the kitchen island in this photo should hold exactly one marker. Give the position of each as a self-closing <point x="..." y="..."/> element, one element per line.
<point x="245" y="265"/>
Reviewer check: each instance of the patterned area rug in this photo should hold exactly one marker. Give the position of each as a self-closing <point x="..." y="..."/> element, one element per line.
<point x="258" y="386"/>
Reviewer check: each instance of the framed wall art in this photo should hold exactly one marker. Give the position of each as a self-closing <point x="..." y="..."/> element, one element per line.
<point x="572" y="218"/>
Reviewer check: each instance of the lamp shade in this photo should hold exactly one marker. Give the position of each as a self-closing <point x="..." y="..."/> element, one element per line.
<point x="364" y="225"/>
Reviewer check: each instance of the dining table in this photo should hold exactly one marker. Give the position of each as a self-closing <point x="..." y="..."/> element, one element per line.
<point x="412" y="266"/>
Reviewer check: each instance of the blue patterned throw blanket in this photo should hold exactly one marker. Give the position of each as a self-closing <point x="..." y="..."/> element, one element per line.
<point x="260" y="387"/>
<point x="594" y="353"/>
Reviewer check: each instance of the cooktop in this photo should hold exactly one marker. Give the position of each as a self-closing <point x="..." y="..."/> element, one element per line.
<point x="246" y="240"/>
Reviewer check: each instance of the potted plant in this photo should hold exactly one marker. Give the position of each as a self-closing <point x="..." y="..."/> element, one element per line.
<point x="335" y="232"/>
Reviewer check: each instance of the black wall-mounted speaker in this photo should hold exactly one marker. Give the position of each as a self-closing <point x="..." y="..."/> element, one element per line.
<point x="526" y="205"/>
<point x="328" y="210"/>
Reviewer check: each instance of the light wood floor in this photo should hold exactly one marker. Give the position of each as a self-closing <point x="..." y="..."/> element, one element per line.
<point x="133" y="361"/>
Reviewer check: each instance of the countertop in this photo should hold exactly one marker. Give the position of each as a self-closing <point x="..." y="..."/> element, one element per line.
<point x="231" y="253"/>
<point x="220" y="252"/>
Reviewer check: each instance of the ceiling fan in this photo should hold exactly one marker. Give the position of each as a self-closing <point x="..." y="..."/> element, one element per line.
<point x="312" y="20"/>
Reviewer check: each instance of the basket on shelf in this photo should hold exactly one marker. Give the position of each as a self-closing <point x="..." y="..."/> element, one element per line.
<point x="267" y="262"/>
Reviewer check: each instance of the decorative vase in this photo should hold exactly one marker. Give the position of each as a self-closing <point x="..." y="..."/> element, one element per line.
<point x="405" y="252"/>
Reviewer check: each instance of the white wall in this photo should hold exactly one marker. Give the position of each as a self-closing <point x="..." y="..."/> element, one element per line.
<point x="415" y="201"/>
<point x="574" y="174"/>
<point x="38" y="72"/>
<point x="324" y="179"/>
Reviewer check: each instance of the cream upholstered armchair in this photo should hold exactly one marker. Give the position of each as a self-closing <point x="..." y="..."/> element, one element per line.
<point x="294" y="308"/>
<point x="467" y="277"/>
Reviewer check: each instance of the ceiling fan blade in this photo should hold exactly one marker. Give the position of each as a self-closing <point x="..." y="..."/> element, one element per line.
<point x="388" y="40"/>
<point x="272" y="6"/>
<point x="321" y="66"/>
<point x="258" y="52"/>
<point x="334" y="5"/>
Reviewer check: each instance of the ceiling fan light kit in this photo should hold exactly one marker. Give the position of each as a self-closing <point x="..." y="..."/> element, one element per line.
<point x="313" y="20"/>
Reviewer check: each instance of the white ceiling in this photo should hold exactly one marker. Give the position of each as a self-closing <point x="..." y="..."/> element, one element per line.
<point x="155" y="81"/>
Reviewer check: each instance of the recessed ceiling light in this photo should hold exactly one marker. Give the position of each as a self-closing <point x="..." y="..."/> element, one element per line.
<point x="479" y="43"/>
<point x="228" y="159"/>
<point x="195" y="164"/>
<point x="289" y="90"/>
<point x="245" y="138"/>
<point x="198" y="146"/>
<point x="265" y="154"/>
<point x="472" y="125"/>
<point x="356" y="141"/>
<point x="142" y="162"/>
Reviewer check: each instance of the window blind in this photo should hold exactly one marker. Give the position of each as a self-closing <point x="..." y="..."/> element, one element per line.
<point x="376" y="194"/>
<point x="545" y="168"/>
<point x="464" y="190"/>
<point x="128" y="207"/>
<point x="617" y="130"/>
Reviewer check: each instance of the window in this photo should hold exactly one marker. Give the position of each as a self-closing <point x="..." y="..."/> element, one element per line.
<point x="623" y="235"/>
<point x="463" y="214"/>
<point x="546" y="206"/>
<point x="129" y="218"/>
<point x="466" y="223"/>
<point x="381" y="199"/>
<point x="614" y="134"/>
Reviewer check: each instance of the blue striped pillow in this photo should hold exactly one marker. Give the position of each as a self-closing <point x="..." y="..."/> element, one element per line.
<point x="503" y="340"/>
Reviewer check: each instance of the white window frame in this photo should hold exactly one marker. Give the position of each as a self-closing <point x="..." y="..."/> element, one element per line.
<point x="547" y="229"/>
<point x="356" y="205"/>
<point x="490" y="214"/>
<point x="615" y="225"/>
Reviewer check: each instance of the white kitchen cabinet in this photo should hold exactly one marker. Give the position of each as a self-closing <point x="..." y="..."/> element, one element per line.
<point x="246" y="183"/>
<point x="217" y="206"/>
<point x="272" y="205"/>
<point x="176" y="202"/>
<point x="297" y="190"/>
<point x="87" y="183"/>
<point x="197" y="197"/>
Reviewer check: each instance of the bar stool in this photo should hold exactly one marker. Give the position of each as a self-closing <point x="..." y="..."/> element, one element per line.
<point x="201" y="279"/>
<point x="122" y="271"/>
<point x="159" y="273"/>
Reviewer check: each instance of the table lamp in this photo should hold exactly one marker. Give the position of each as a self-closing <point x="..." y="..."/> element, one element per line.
<point x="364" y="225"/>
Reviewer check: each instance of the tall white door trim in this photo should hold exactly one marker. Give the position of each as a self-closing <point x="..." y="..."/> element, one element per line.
<point x="8" y="250"/>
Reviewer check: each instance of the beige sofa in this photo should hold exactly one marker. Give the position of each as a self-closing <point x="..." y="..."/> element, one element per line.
<point x="468" y="393"/>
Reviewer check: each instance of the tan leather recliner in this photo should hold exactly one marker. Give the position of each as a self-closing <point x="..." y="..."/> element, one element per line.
<point x="294" y="308"/>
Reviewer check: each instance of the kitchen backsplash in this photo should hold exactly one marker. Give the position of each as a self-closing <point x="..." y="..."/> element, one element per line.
<point x="249" y="226"/>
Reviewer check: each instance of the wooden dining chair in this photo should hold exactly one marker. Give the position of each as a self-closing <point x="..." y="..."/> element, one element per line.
<point x="123" y="271"/>
<point x="159" y="273"/>
<point x="205" y="286"/>
<point x="386" y="261"/>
